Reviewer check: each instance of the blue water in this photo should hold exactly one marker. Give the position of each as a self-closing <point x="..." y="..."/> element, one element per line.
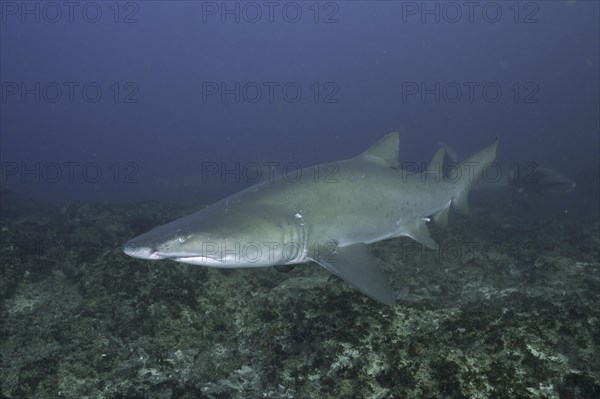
<point x="169" y="100"/>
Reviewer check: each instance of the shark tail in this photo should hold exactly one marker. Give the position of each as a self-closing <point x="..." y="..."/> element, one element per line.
<point x="468" y="173"/>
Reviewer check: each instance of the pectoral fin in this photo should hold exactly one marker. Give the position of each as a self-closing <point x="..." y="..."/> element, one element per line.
<point x="355" y="265"/>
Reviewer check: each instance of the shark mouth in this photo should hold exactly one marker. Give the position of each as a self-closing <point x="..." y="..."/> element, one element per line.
<point x="201" y="260"/>
<point x="135" y="251"/>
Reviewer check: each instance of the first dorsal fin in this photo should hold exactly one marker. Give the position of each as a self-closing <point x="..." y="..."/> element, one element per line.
<point x="384" y="152"/>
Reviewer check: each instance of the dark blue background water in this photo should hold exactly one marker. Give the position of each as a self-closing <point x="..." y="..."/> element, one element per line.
<point x="153" y="118"/>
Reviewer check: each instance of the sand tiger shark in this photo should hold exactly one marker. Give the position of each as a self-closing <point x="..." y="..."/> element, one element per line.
<point x="330" y="221"/>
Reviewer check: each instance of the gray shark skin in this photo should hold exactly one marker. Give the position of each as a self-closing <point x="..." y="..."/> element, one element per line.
<point x="328" y="218"/>
<point x="530" y="181"/>
<point x="540" y="180"/>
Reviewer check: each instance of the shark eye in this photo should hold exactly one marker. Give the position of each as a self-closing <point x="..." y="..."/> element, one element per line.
<point x="183" y="239"/>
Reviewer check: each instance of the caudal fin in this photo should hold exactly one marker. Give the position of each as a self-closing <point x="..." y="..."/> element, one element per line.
<point x="468" y="173"/>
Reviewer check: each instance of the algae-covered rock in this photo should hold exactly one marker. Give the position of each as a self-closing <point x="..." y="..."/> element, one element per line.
<point x="506" y="310"/>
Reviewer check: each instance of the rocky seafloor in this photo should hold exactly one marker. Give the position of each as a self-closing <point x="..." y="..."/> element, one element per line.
<point x="508" y="308"/>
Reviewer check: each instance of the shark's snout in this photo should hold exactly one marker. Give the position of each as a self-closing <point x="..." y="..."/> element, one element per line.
<point x="131" y="248"/>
